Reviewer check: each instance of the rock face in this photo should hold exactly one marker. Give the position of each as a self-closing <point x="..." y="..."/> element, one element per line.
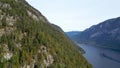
<point x="105" y="34"/>
<point x="28" y="40"/>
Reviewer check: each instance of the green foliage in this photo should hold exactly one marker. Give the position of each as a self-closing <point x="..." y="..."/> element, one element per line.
<point x="28" y="37"/>
<point x="4" y="24"/>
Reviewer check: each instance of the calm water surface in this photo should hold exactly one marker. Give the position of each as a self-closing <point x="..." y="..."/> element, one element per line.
<point x="102" y="57"/>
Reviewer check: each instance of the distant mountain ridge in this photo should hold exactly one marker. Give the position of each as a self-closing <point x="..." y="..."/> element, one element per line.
<point x="73" y="34"/>
<point x="106" y="34"/>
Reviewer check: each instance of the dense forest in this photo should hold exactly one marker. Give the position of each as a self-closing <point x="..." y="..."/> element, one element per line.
<point x="28" y="40"/>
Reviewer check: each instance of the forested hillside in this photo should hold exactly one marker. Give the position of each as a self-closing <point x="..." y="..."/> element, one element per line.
<point x="28" y="40"/>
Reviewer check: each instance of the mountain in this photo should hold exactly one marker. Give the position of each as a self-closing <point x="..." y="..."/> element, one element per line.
<point x="28" y="40"/>
<point x="73" y="34"/>
<point x="106" y="34"/>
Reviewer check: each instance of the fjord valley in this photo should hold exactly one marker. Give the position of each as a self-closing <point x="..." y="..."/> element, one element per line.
<point x="101" y="43"/>
<point x="105" y="34"/>
<point x="28" y="40"/>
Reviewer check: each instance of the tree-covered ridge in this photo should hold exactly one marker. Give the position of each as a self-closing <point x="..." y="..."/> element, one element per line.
<point x="27" y="40"/>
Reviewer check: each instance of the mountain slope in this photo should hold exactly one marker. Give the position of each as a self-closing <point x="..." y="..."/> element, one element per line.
<point x="28" y="40"/>
<point x="73" y="35"/>
<point x="105" y="34"/>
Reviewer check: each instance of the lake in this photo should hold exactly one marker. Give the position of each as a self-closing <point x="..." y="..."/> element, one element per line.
<point x="102" y="57"/>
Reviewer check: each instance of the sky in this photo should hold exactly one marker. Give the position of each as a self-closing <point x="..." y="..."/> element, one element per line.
<point x="77" y="15"/>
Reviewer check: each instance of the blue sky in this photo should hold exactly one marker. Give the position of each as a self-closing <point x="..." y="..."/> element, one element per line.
<point x="77" y="15"/>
